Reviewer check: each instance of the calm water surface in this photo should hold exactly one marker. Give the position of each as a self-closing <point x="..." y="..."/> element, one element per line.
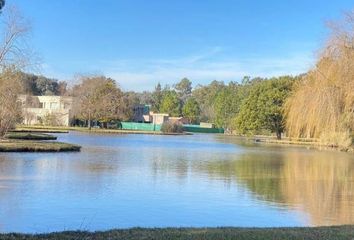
<point x="120" y="181"/>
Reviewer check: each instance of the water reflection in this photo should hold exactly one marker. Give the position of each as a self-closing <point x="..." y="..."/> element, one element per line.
<point x="157" y="181"/>
<point x="319" y="183"/>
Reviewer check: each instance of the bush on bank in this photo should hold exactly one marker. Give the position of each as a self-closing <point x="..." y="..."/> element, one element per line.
<point x="170" y="127"/>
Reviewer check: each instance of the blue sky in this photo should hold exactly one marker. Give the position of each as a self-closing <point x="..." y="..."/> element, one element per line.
<point x="140" y="42"/>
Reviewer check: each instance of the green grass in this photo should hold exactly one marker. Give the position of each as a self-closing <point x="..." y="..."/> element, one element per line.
<point x="330" y="233"/>
<point x="36" y="146"/>
<point x="29" y="136"/>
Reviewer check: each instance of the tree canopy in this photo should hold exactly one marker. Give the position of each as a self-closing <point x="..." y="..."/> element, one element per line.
<point x="184" y="89"/>
<point x="157" y="96"/>
<point x="98" y="98"/>
<point x="205" y="96"/>
<point x="191" y="110"/>
<point x="263" y="108"/>
<point x="10" y="110"/>
<point x="171" y="104"/>
<point x="38" y="85"/>
<point x="227" y="104"/>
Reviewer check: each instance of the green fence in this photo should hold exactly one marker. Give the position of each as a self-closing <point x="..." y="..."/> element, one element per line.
<point x="140" y="126"/>
<point x="157" y="127"/>
<point x="198" y="129"/>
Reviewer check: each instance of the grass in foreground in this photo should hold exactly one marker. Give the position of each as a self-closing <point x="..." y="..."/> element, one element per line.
<point x="36" y="146"/>
<point x="29" y="136"/>
<point x="330" y="233"/>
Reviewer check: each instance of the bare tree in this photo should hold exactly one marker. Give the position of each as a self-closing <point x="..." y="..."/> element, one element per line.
<point x="14" y="47"/>
<point x="97" y="98"/>
<point x="10" y="108"/>
<point x="14" y="56"/>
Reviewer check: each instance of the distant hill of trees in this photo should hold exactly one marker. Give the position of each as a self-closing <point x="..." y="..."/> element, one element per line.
<point x="39" y="85"/>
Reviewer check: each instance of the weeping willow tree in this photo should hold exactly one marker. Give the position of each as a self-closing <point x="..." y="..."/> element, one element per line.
<point x="322" y="104"/>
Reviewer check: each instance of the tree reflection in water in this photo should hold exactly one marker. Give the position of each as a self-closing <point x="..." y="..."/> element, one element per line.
<point x="319" y="183"/>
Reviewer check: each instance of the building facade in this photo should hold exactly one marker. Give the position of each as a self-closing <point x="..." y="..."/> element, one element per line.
<point x="46" y="110"/>
<point x="140" y="112"/>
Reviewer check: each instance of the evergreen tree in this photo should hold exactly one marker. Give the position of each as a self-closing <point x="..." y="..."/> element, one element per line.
<point x="191" y="110"/>
<point x="157" y="96"/>
<point x="171" y="104"/>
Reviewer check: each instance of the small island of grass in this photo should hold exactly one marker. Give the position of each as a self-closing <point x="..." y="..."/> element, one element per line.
<point x="28" y="141"/>
<point x="29" y="136"/>
<point x="35" y="129"/>
<point x="11" y="145"/>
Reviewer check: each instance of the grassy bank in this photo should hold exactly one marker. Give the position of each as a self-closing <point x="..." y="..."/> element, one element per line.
<point x="309" y="142"/>
<point x="36" y="146"/>
<point x="93" y="130"/>
<point x="29" y="136"/>
<point x="304" y="142"/>
<point x="330" y="233"/>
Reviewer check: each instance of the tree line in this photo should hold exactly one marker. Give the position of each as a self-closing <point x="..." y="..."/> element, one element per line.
<point x="250" y="107"/>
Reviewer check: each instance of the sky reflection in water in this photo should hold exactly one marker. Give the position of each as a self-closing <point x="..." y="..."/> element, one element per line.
<point x="120" y="181"/>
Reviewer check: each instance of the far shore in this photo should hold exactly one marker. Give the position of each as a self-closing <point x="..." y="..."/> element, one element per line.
<point x="308" y="233"/>
<point x="50" y="129"/>
<point x="315" y="143"/>
<point x="312" y="142"/>
<point x="304" y="142"/>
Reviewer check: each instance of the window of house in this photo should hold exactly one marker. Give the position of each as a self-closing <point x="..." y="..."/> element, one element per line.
<point x="54" y="105"/>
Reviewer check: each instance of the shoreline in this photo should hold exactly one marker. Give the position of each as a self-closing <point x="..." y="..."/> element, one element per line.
<point x="93" y="130"/>
<point x="316" y="145"/>
<point x="311" y="233"/>
<point x="313" y="143"/>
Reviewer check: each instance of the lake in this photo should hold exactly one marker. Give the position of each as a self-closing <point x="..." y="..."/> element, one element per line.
<point x="121" y="181"/>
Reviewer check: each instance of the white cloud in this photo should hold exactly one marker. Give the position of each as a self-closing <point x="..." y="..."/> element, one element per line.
<point x="205" y="70"/>
<point x="143" y="74"/>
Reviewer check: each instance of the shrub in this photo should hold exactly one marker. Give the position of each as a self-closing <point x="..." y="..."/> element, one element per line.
<point x="52" y="119"/>
<point x="170" y="127"/>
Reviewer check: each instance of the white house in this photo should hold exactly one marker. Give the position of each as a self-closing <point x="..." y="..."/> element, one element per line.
<point x="48" y="110"/>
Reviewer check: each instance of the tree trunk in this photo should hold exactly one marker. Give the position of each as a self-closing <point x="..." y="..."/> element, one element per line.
<point x="278" y="135"/>
<point x="89" y="121"/>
